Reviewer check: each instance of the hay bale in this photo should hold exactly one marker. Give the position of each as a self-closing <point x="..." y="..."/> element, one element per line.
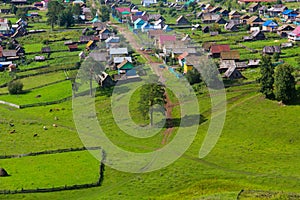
<point x="3" y="173"/>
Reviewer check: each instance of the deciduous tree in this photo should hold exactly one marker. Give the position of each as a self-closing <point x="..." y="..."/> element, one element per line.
<point x="150" y="95"/>
<point x="285" y="89"/>
<point x="267" y="79"/>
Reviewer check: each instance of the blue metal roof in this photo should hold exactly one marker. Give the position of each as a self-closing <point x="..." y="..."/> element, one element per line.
<point x="270" y="23"/>
<point x="286" y="12"/>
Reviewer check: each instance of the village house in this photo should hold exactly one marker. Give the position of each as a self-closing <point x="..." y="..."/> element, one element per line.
<point x="133" y="18"/>
<point x="155" y="33"/>
<point x="215" y="9"/>
<point x="208" y="18"/>
<point x="205" y="29"/>
<point x="253" y="7"/>
<point x="244" y="18"/>
<point x="230" y="55"/>
<point x="234" y="15"/>
<point x="182" y="21"/>
<point x="5" y="10"/>
<point x="255" y="21"/>
<point x="109" y="42"/>
<point x="256" y="35"/>
<point x="126" y="68"/>
<point x="73" y="47"/>
<point x="104" y="34"/>
<point x="104" y="80"/>
<point x="18" y="2"/>
<point x="290" y="14"/>
<point x="276" y="10"/>
<point x="224" y="12"/>
<point x="271" y="50"/>
<point x="233" y="73"/>
<point x="118" y="60"/>
<point x="216" y="49"/>
<point x="4" y="26"/>
<point x="86" y="38"/>
<point x="231" y="26"/>
<point x="118" y="52"/>
<point x="147" y="3"/>
<point x="269" y="25"/>
<point x="137" y="24"/>
<point x="294" y="35"/>
<point x="285" y="29"/>
<point x="164" y="38"/>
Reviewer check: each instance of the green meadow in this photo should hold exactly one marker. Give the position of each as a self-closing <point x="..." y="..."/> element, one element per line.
<point x="258" y="149"/>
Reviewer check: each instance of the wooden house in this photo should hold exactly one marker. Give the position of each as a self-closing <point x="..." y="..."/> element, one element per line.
<point x="256" y="35"/>
<point x="127" y="68"/>
<point x="255" y="21"/>
<point x="73" y="47"/>
<point x="231" y="26"/>
<point x="234" y="15"/>
<point x="104" y="34"/>
<point x="182" y="21"/>
<point x="216" y="49"/>
<point x="230" y="55"/>
<point x="208" y="18"/>
<point x="253" y="7"/>
<point x="233" y="73"/>
<point x="271" y="49"/>
<point x="289" y="14"/>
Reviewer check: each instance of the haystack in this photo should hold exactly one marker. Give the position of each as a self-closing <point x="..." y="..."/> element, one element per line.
<point x="3" y="172"/>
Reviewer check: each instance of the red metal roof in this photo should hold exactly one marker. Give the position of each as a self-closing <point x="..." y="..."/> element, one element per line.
<point x="164" y="38"/>
<point x="123" y="9"/>
<point x="218" y="48"/>
<point x="183" y="55"/>
<point x="296" y="31"/>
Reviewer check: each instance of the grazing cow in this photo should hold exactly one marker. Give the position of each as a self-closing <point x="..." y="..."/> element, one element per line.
<point x="44" y="127"/>
<point x="13" y="131"/>
<point x="35" y="135"/>
<point x="54" y="125"/>
<point x="11" y="124"/>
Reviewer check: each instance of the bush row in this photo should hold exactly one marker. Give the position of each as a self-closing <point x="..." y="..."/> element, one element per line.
<point x="49" y="152"/>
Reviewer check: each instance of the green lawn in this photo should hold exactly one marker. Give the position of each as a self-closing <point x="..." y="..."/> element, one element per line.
<point x="48" y="94"/>
<point x="65" y="169"/>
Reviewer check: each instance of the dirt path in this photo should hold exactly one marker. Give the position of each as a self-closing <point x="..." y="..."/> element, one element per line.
<point x="159" y="72"/>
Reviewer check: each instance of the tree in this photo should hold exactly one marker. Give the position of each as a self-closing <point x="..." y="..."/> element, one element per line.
<point x="215" y="27"/>
<point x="89" y="68"/>
<point x="66" y="18"/>
<point x="193" y="76"/>
<point x="285" y="89"/>
<point x="276" y="56"/>
<point x="298" y="60"/>
<point x="150" y="95"/>
<point x="54" y="10"/>
<point x="15" y="87"/>
<point x="21" y="13"/>
<point x="13" y="9"/>
<point x="105" y="14"/>
<point x="267" y="79"/>
<point x="76" y="10"/>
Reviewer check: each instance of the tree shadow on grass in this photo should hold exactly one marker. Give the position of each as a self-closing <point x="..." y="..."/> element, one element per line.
<point x="185" y="121"/>
<point x="296" y="100"/>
